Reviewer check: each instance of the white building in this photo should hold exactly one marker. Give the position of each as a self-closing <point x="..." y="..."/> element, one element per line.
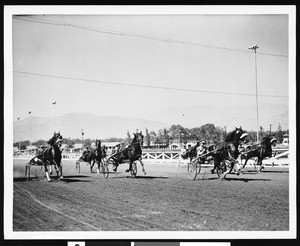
<point x="285" y="139"/>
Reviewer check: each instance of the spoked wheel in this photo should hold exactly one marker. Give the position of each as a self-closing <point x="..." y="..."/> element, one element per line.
<point x="110" y="161"/>
<point x="221" y="168"/>
<point x="193" y="170"/>
<point x="133" y="171"/>
<point x="78" y="166"/>
<point x="198" y="167"/>
<point x="104" y="169"/>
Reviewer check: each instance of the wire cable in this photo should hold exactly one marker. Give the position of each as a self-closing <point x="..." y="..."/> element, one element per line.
<point x="93" y="29"/>
<point x="147" y="86"/>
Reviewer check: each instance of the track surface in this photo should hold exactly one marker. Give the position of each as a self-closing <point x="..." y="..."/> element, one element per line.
<point x="163" y="200"/>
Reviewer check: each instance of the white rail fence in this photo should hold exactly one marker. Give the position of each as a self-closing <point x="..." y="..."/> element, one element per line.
<point x="280" y="157"/>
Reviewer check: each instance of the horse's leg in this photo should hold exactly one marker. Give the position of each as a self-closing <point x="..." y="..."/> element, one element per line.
<point x="27" y="170"/>
<point x="46" y="172"/>
<point x="58" y="169"/>
<point x="50" y="169"/>
<point x="143" y="168"/>
<point x="98" y="166"/>
<point x="216" y="163"/>
<point x="232" y="162"/>
<point x="238" y="167"/>
<point x="92" y="163"/>
<point x="259" y="164"/>
<point x="130" y="166"/>
<point x="246" y="160"/>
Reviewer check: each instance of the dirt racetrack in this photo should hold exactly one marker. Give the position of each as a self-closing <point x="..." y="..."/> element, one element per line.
<point x="163" y="200"/>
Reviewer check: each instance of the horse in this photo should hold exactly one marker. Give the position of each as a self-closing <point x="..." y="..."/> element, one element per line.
<point x="190" y="153"/>
<point x="92" y="156"/>
<point x="132" y="153"/>
<point x="50" y="155"/>
<point x="260" y="151"/>
<point x="228" y="150"/>
<point x="97" y="155"/>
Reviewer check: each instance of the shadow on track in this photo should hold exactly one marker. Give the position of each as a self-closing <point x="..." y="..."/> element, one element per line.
<point x="266" y="171"/>
<point x="138" y="177"/>
<point x="66" y="179"/>
<point x="243" y="179"/>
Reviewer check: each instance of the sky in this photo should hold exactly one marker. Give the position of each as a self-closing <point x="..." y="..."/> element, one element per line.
<point x="145" y="65"/>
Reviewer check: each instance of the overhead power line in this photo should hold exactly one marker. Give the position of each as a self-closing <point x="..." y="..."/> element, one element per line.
<point x="147" y="86"/>
<point x="93" y="29"/>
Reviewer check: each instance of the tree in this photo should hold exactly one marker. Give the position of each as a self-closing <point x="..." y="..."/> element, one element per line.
<point x="128" y="139"/>
<point x="251" y="136"/>
<point x="39" y="143"/>
<point x="147" y="138"/>
<point x="279" y="134"/>
<point x="24" y="144"/>
<point x="153" y="137"/>
<point x="177" y="132"/>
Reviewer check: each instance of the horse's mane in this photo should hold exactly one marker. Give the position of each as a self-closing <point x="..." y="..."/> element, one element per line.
<point x="135" y="139"/>
<point x="98" y="144"/>
<point x="229" y="137"/>
<point x="264" y="139"/>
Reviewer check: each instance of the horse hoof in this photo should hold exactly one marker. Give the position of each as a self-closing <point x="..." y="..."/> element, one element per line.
<point x="127" y="170"/>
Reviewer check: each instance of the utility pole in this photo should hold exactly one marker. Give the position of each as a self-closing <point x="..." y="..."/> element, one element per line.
<point x="54" y="108"/>
<point x="270" y="128"/>
<point x="82" y="133"/>
<point x="19" y="140"/>
<point x="30" y="126"/>
<point x="255" y="47"/>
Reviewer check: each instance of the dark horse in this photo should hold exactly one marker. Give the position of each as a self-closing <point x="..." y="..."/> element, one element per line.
<point x="92" y="156"/>
<point x="190" y="153"/>
<point x="131" y="153"/>
<point x="260" y="151"/>
<point x="50" y="155"/>
<point x="228" y="150"/>
<point x="97" y="155"/>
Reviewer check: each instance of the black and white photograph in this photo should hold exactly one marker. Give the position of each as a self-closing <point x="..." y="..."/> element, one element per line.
<point x="149" y="122"/>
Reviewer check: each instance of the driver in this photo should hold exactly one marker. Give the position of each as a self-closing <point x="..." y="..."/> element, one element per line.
<point x="86" y="152"/>
<point x="202" y="149"/>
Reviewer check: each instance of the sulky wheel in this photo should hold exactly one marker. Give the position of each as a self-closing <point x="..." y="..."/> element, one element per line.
<point x="104" y="169"/>
<point x="192" y="170"/>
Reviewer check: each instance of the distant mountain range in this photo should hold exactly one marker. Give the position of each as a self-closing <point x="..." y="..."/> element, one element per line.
<point x="95" y="126"/>
<point x="239" y="115"/>
<point x="71" y="126"/>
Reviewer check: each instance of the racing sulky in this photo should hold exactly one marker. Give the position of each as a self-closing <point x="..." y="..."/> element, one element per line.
<point x="131" y="153"/>
<point x="227" y="151"/>
<point x="259" y="151"/>
<point x="49" y="155"/>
